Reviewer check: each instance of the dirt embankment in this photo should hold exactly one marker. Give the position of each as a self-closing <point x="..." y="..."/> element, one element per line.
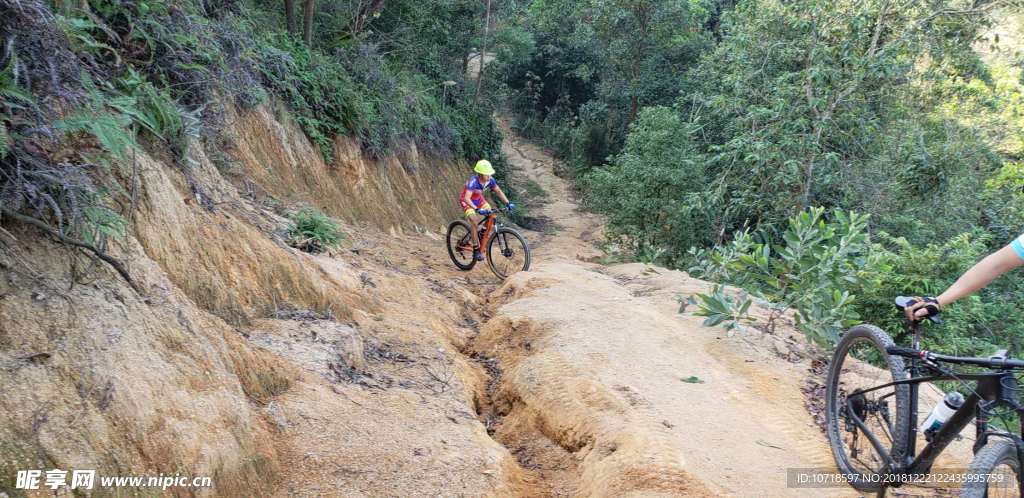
<point x="270" y="370"/>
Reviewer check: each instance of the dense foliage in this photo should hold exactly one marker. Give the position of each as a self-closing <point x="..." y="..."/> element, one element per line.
<point x="777" y="145"/>
<point x="582" y="70"/>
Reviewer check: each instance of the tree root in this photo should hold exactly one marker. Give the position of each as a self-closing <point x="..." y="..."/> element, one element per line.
<point x="42" y="225"/>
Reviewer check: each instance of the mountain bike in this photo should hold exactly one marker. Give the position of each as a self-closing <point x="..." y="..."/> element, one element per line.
<point x="872" y="414"/>
<point x="506" y="249"/>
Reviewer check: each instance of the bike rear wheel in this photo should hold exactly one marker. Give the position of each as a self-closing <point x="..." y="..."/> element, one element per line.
<point x="460" y="245"/>
<point x="508" y="253"/>
<point x="993" y="472"/>
<point x="859" y="363"/>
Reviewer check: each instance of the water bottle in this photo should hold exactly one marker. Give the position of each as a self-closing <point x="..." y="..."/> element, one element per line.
<point x="941" y="413"/>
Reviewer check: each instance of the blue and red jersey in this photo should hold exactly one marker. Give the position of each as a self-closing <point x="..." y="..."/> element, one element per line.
<point x="477" y="189"/>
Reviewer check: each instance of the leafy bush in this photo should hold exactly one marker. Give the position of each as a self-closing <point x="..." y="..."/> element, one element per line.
<point x="807" y="273"/>
<point x="722" y="309"/>
<point x="832" y="275"/>
<point x="644" y="190"/>
<point x="313" y="231"/>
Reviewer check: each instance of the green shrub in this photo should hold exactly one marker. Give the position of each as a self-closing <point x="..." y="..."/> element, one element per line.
<point x="832" y="275"/>
<point x="313" y="231"/>
<point x="721" y="309"/>
<point x="807" y="273"/>
<point x="644" y="190"/>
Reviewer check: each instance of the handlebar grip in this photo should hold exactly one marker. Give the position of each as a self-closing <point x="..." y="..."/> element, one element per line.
<point x="903" y="302"/>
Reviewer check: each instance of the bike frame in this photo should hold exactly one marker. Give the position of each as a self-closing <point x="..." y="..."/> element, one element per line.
<point x="491" y="225"/>
<point x="489" y="228"/>
<point x="993" y="389"/>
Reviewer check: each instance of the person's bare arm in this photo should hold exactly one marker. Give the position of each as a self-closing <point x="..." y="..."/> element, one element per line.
<point x="501" y="195"/>
<point x="468" y="197"/>
<point x="980" y="275"/>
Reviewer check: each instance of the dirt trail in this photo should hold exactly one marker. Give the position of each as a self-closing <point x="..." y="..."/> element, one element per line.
<point x="606" y="390"/>
<point x="572" y="379"/>
<point x="577" y="231"/>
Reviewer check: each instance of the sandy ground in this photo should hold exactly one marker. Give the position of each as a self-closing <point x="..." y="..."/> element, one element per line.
<point x="607" y="364"/>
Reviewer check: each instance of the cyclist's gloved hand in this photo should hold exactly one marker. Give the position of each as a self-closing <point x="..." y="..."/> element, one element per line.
<point x="922" y="307"/>
<point x="511" y="206"/>
<point x="482" y="211"/>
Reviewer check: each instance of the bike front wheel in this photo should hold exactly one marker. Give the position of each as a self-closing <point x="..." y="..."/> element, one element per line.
<point x="460" y="245"/>
<point x="508" y="253"/>
<point x="993" y="472"/>
<point x="860" y="362"/>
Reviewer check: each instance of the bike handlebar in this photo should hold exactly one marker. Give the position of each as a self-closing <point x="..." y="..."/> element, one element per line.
<point x="488" y="212"/>
<point x="996" y="363"/>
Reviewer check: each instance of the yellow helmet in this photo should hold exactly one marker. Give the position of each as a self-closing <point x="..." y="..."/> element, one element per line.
<point x="484" y="167"/>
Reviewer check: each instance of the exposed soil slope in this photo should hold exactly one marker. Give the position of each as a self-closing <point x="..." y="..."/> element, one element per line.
<point x="243" y="359"/>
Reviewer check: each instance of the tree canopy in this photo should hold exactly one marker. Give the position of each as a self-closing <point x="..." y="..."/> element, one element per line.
<point x="696" y="126"/>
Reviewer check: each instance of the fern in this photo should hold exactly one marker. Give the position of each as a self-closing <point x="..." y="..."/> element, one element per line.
<point x="156" y="112"/>
<point x="153" y="110"/>
<point x="9" y="89"/>
<point x="112" y="130"/>
<point x="101" y="223"/>
<point x="313" y="231"/>
<point x="79" y="30"/>
<point x="11" y="97"/>
<point x="5" y="141"/>
<point x="109" y="130"/>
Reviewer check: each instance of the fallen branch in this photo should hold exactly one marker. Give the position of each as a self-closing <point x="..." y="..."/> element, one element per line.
<point x="115" y="264"/>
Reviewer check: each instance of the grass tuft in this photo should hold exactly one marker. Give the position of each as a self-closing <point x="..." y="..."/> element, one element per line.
<point x="312" y="231"/>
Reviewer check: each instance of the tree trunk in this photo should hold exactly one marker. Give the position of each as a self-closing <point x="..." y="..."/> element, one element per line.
<point x="483" y="52"/>
<point x="307" y="22"/>
<point x="289" y="15"/>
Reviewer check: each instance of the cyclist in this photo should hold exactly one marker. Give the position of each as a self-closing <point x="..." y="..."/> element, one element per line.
<point x="473" y="203"/>
<point x="980" y="275"/>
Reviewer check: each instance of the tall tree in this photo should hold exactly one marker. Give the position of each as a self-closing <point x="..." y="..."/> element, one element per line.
<point x="483" y="51"/>
<point x="645" y="47"/>
<point x="803" y="97"/>
<point x="289" y="15"/>
<point x="307" y="21"/>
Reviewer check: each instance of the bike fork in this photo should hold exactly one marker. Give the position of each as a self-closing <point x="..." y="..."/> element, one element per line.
<point x="503" y="243"/>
